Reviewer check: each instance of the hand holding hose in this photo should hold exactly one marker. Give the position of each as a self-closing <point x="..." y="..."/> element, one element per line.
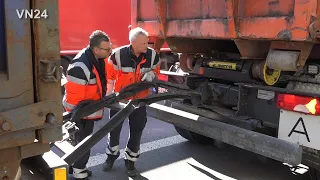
<point x="148" y="76"/>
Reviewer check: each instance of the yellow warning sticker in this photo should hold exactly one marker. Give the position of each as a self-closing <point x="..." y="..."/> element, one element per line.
<point x="223" y="65"/>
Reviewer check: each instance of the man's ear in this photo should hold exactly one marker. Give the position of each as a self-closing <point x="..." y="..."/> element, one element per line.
<point x="95" y="49"/>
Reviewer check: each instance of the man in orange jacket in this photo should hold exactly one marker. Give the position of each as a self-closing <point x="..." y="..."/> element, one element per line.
<point x="86" y="80"/>
<point x="127" y="65"/>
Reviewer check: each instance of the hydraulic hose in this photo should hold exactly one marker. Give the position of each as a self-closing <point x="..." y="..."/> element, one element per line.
<point x="88" y="107"/>
<point x="90" y="141"/>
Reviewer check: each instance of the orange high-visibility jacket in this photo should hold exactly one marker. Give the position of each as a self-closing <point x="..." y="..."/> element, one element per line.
<point x="124" y="68"/>
<point x="86" y="81"/>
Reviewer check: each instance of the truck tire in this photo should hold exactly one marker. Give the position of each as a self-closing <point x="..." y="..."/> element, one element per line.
<point x="220" y="144"/>
<point x="263" y="159"/>
<point x="192" y="136"/>
<point x="314" y="174"/>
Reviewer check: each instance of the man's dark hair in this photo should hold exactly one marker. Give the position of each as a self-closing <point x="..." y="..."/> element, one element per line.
<point x="97" y="37"/>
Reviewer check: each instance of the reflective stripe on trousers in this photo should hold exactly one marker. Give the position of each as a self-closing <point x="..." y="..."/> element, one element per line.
<point x="130" y="155"/>
<point x="112" y="150"/>
<point x="137" y="122"/>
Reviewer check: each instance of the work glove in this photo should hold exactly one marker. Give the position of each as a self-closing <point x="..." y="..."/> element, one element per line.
<point x="148" y="76"/>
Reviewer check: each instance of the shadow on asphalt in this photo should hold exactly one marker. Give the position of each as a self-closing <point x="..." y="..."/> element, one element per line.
<point x="29" y="172"/>
<point x="232" y="162"/>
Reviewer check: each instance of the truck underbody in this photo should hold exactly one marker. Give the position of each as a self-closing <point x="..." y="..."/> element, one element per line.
<point x="243" y="92"/>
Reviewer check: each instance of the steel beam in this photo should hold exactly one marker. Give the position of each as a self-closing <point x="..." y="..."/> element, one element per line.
<point x="258" y="143"/>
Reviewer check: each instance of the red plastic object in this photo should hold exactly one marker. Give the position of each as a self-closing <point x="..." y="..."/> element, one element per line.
<point x="163" y="77"/>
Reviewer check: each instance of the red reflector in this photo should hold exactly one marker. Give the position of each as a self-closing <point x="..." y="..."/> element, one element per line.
<point x="291" y="102"/>
<point x="163" y="77"/>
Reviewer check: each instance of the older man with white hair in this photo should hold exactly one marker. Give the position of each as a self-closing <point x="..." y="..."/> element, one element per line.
<point x="128" y="65"/>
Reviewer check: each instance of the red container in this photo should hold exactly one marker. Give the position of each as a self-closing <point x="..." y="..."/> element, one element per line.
<point x="78" y="19"/>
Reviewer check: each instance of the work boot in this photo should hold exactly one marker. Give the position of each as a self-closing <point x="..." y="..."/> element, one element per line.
<point x="107" y="166"/>
<point x="80" y="179"/>
<point x="86" y="178"/>
<point x="131" y="170"/>
<point x="88" y="171"/>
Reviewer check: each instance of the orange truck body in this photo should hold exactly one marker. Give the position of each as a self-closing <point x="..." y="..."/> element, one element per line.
<point x="249" y="19"/>
<point x="183" y="22"/>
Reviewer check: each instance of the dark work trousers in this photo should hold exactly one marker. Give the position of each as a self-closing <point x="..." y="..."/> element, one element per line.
<point x="85" y="129"/>
<point x="137" y="123"/>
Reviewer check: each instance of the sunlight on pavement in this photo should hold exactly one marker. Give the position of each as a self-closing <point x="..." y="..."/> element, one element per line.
<point x="299" y="169"/>
<point x="181" y="166"/>
<point x="185" y="169"/>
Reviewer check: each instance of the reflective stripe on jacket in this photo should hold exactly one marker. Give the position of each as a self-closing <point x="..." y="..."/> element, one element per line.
<point x="84" y="82"/>
<point x="124" y="69"/>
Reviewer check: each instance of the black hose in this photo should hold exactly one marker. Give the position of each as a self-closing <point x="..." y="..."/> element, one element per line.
<point x="88" y="107"/>
<point x="90" y="141"/>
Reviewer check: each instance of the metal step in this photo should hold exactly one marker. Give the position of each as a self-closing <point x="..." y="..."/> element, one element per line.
<point x="64" y="146"/>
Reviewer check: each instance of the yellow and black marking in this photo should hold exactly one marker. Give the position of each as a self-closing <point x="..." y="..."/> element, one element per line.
<point x="270" y="76"/>
<point x="223" y="65"/>
<point x="60" y="173"/>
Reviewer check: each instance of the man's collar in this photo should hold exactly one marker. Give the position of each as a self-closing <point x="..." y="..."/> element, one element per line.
<point x="132" y="53"/>
<point x="91" y="53"/>
<point x="130" y="50"/>
<point x="90" y="50"/>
